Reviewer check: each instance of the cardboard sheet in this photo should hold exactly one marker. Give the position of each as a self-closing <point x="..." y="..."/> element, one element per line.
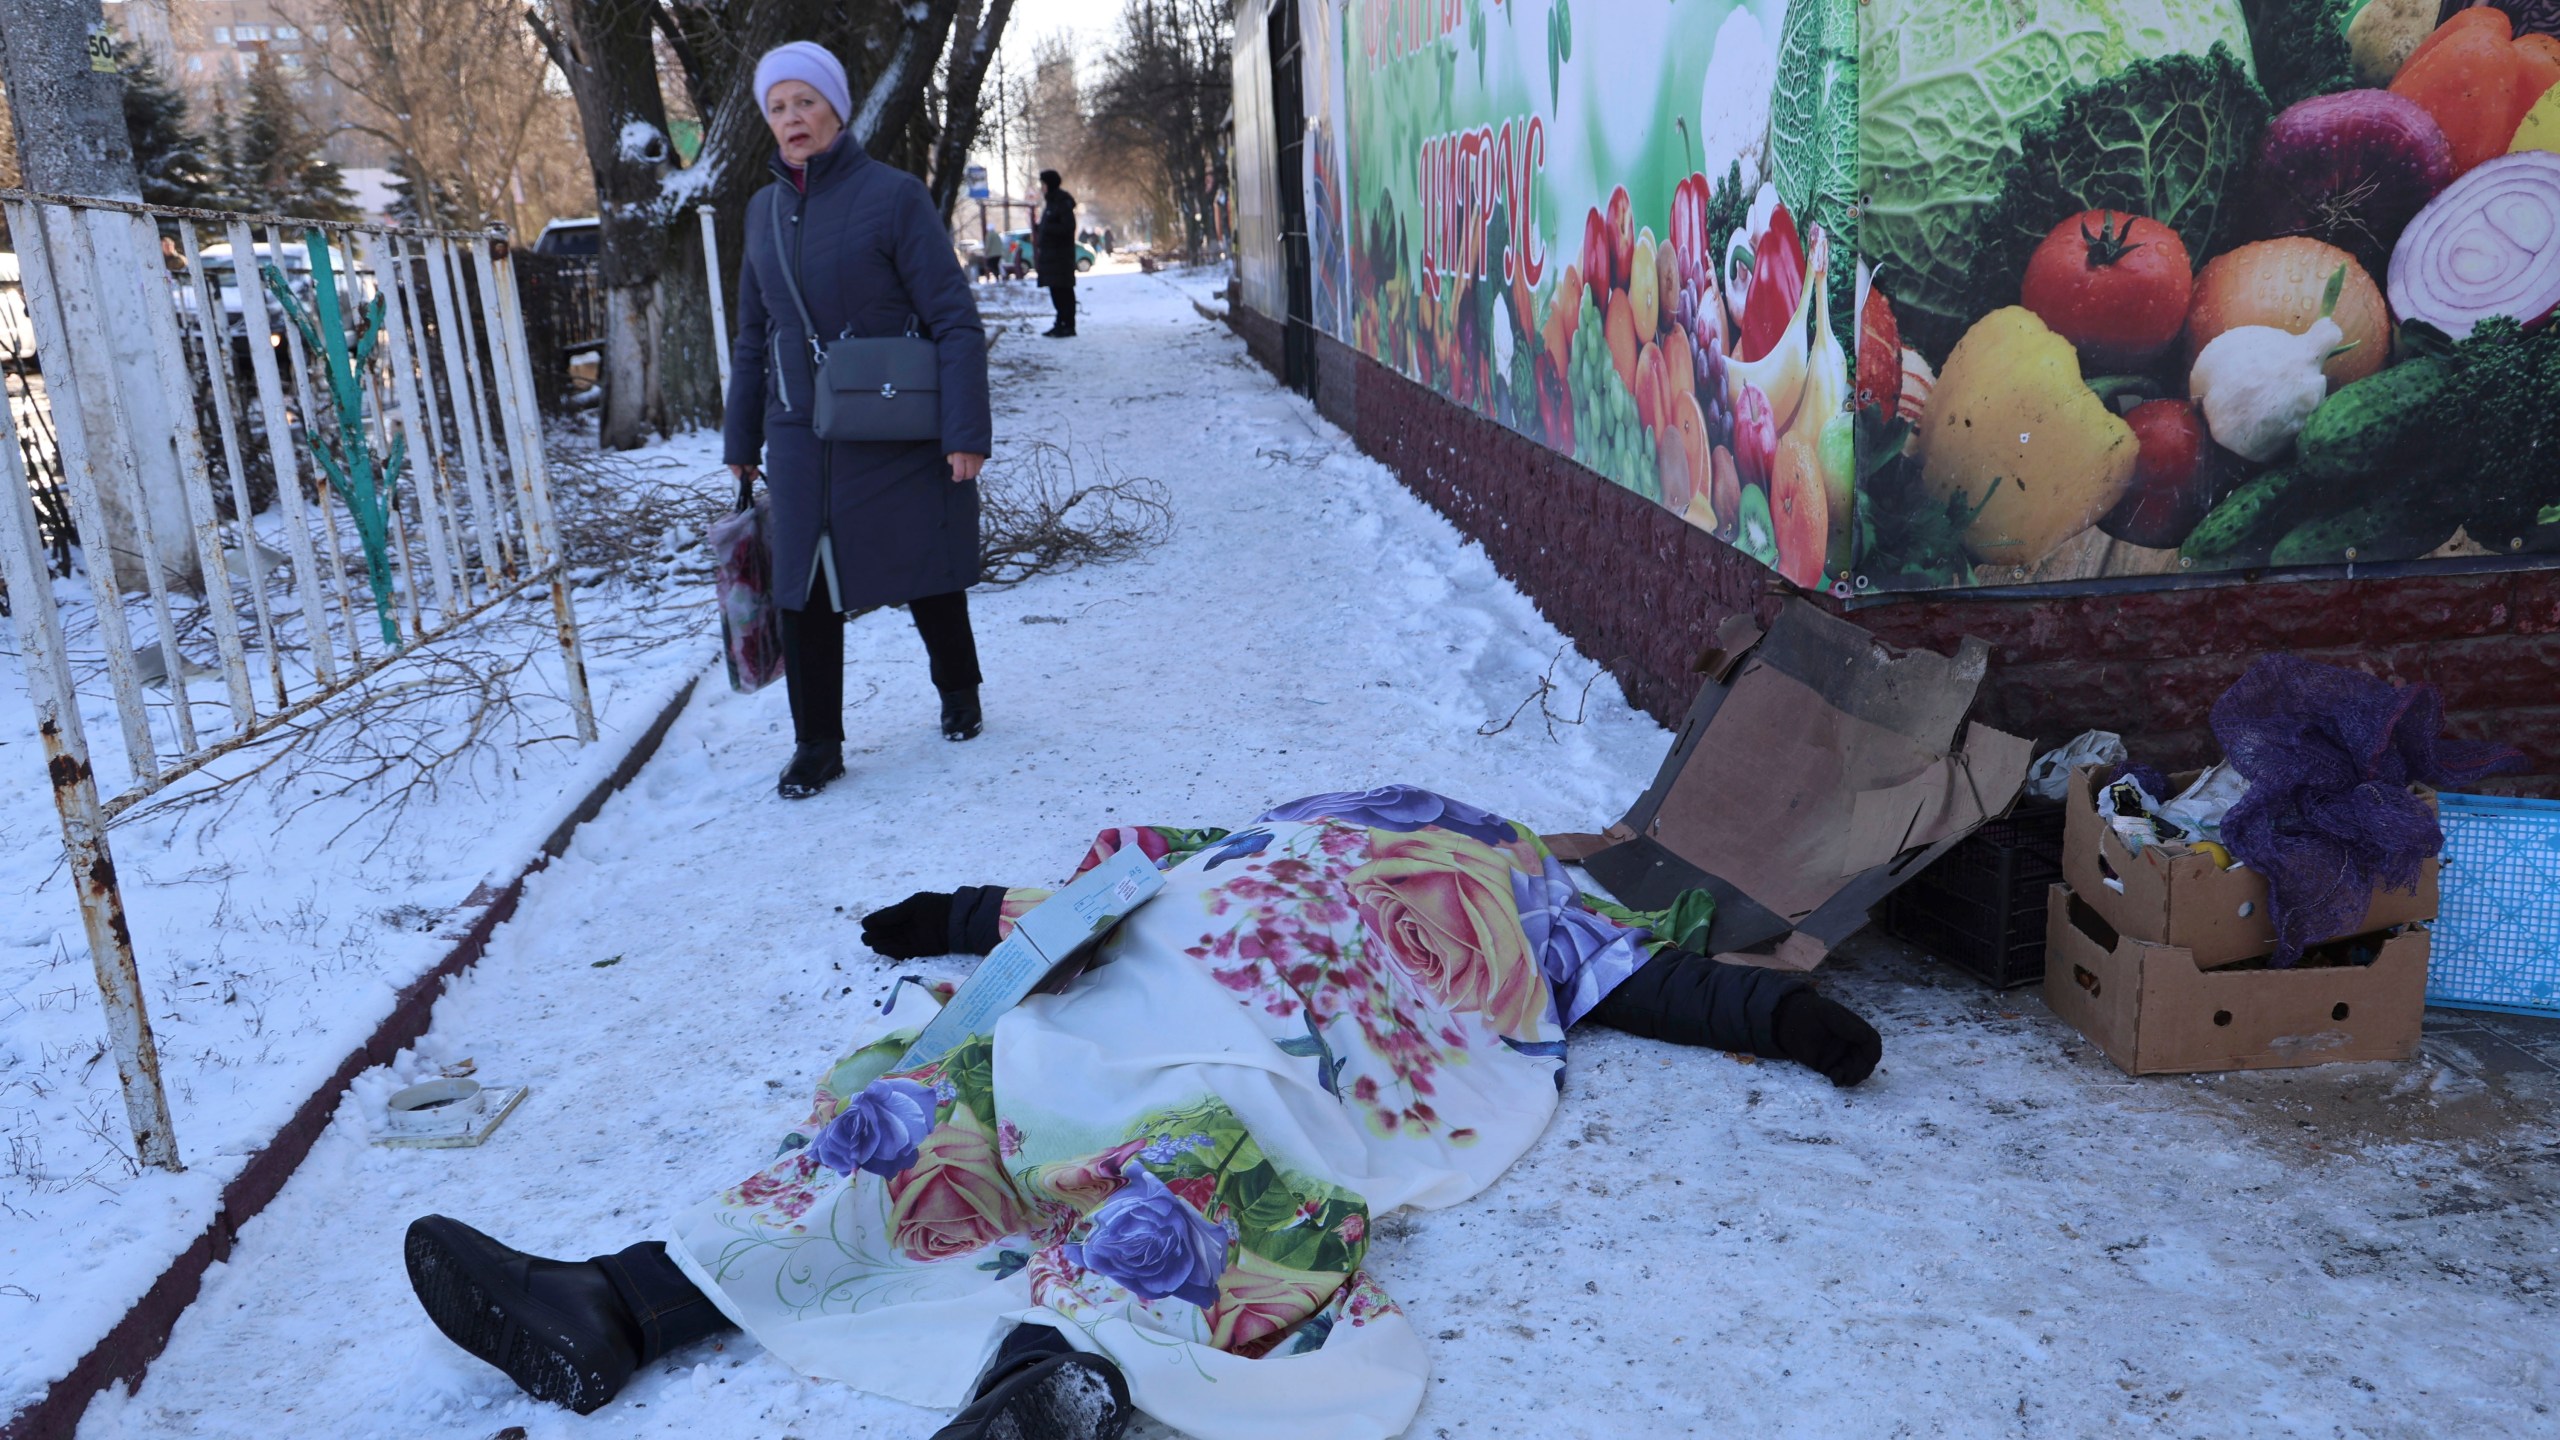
<point x="1802" y="788"/>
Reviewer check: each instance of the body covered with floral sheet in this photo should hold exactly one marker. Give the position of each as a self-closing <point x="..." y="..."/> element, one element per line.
<point x="1356" y="1004"/>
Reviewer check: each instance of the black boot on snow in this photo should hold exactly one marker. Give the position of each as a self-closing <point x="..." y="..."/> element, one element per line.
<point x="1042" y="1388"/>
<point x="961" y="718"/>
<point x="558" y="1328"/>
<point x="811" y="768"/>
<point x="567" y="1331"/>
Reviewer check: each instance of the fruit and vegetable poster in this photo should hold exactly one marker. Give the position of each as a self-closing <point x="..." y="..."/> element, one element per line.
<point x="2170" y="287"/>
<point x="1925" y="294"/>
<point x="1616" y="226"/>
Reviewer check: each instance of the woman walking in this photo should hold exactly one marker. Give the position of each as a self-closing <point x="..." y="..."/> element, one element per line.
<point x="856" y="524"/>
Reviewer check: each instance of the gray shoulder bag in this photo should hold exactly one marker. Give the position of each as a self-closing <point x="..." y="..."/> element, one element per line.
<point x="886" y="388"/>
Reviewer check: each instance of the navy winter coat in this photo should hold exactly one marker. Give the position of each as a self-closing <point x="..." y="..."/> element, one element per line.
<point x="871" y="255"/>
<point x="1053" y="245"/>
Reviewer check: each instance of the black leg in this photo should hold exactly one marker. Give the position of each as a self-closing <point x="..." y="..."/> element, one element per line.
<point x="949" y="644"/>
<point x="813" y="671"/>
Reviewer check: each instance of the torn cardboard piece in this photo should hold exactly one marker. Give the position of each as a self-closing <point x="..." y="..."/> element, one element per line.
<point x="1817" y="769"/>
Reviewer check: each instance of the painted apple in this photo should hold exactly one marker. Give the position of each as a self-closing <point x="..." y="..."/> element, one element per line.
<point x="1599" y="252"/>
<point x="1755" y="435"/>
<point x="1622" y="234"/>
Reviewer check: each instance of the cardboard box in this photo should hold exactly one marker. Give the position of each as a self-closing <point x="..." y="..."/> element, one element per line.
<point x="2155" y="1011"/>
<point x="2182" y="898"/>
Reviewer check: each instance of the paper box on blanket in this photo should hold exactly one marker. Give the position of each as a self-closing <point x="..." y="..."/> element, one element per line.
<point x="1047" y="948"/>
<point x="2181" y="896"/>
<point x="2155" y="1010"/>
<point x="1818" y="769"/>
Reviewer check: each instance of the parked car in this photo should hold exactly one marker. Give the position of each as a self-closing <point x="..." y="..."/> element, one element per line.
<point x="582" y="235"/>
<point x="1018" y="248"/>
<point x="293" y="259"/>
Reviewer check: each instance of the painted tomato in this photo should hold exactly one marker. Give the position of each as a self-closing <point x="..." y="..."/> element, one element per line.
<point x="1879" y="354"/>
<point x="2176" y="472"/>
<point x="2115" y="285"/>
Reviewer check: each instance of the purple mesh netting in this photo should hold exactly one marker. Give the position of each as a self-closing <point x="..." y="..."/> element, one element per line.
<point x="2330" y="755"/>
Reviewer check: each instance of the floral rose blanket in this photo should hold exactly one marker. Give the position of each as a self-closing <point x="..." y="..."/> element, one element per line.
<point x="1356" y="1004"/>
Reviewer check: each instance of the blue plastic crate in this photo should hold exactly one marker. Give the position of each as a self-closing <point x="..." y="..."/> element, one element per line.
<point x="2497" y="930"/>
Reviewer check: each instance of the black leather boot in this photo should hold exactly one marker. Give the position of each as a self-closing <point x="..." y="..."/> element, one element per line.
<point x="570" y="1332"/>
<point x="1041" y="1388"/>
<point x="961" y="719"/>
<point x="810" y="770"/>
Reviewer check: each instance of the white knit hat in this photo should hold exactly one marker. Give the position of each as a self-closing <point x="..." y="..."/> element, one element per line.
<point x="808" y="62"/>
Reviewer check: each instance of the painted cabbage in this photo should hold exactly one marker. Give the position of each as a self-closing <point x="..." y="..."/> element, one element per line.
<point x="1813" y="133"/>
<point x="1946" y="89"/>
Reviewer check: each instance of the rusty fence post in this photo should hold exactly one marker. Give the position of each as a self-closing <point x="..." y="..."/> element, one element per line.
<point x="84" y="822"/>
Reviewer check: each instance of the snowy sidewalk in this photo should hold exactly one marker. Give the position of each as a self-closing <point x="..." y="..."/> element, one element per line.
<point x="1997" y="1235"/>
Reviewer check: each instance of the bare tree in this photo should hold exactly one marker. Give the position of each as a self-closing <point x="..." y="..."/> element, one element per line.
<point x="975" y="35"/>
<point x="657" y="366"/>
<point x="462" y="93"/>
<point x="1165" y="90"/>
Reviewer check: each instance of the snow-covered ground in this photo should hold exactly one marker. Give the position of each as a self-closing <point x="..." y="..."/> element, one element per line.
<point x="1997" y="1234"/>
<point x="276" y="918"/>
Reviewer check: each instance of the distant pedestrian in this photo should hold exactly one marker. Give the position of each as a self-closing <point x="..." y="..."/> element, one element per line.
<point x="856" y="524"/>
<point x="1054" y="251"/>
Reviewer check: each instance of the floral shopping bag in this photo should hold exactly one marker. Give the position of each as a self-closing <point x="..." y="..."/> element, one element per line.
<point x="750" y="624"/>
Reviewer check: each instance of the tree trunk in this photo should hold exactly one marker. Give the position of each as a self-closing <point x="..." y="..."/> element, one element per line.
<point x="69" y="127"/>
<point x="980" y="28"/>
<point x="606" y="50"/>
<point x="718" y="47"/>
<point x="69" y="118"/>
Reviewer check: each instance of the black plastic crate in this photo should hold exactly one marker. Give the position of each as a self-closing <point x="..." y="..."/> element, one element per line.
<point x="1981" y="907"/>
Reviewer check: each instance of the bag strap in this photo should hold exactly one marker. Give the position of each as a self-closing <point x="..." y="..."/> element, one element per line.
<point x="791" y="282"/>
<point x="746" y="492"/>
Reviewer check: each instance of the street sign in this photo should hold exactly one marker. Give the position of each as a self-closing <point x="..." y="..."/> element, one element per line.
<point x="977" y="192"/>
<point x="975" y="175"/>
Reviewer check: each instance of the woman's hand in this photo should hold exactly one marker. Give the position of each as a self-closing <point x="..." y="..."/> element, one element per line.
<point x="965" y="466"/>
<point x="746" y="474"/>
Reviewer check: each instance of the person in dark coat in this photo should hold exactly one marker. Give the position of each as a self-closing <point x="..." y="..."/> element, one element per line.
<point x="1053" y="252"/>
<point x="855" y="524"/>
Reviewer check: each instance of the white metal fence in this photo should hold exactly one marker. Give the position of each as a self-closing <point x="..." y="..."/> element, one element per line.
<point x="297" y="449"/>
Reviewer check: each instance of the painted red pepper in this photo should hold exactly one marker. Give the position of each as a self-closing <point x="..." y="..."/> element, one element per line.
<point x="1777" y="283"/>
<point x="1689" y="233"/>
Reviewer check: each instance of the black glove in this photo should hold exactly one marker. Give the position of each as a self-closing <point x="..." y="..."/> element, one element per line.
<point x="932" y="923"/>
<point x="1825" y="1035"/>
<point x="915" y="927"/>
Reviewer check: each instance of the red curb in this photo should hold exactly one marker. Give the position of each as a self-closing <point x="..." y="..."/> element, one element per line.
<point x="126" y="1353"/>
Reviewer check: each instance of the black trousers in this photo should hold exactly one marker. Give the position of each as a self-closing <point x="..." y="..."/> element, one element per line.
<point x="1063" y="296"/>
<point x="813" y="659"/>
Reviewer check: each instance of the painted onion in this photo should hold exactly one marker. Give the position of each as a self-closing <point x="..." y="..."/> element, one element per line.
<point x="2489" y="245"/>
